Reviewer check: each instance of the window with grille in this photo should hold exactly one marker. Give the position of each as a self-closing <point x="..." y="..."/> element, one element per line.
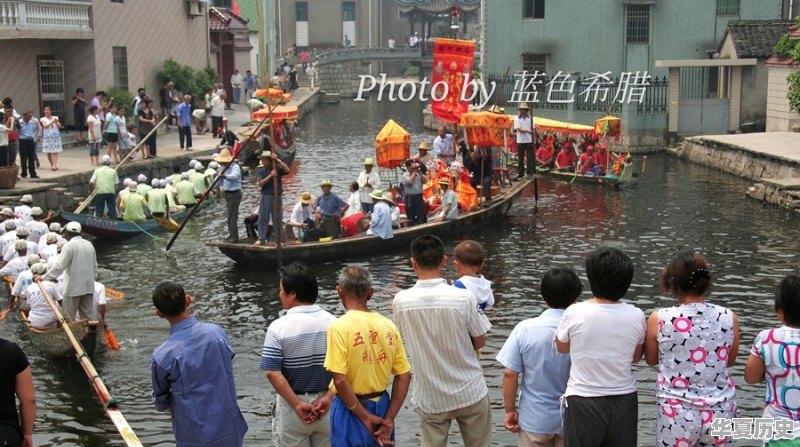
<point x="637" y="20"/>
<point x="728" y="7"/>
<point x="534" y="62"/>
<point x="348" y="11"/>
<point x="121" y="67"/>
<point x="301" y="12"/>
<point x="532" y="9"/>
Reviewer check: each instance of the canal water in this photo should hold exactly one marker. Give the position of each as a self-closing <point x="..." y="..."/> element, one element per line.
<point x="674" y="206"/>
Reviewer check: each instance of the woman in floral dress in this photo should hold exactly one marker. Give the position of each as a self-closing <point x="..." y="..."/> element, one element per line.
<point x="51" y="137"/>
<point x="693" y="344"/>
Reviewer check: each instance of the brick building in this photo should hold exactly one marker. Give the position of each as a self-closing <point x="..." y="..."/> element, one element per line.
<point x="52" y="47"/>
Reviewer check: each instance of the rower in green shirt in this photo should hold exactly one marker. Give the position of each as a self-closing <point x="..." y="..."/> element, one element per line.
<point x="157" y="200"/>
<point x="187" y="192"/>
<point x="134" y="206"/>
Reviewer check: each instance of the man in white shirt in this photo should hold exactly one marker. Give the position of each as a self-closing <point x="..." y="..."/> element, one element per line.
<point x="23" y="211"/>
<point x="217" y="113"/>
<point x="524" y="130"/>
<point x="442" y="327"/>
<point x="368" y="180"/>
<point x="79" y="261"/>
<point x="236" y="85"/>
<point x="444" y="147"/>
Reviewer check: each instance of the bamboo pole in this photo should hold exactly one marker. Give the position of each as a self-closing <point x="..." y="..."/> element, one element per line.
<point x="88" y="199"/>
<point x="277" y="216"/>
<point x="109" y="403"/>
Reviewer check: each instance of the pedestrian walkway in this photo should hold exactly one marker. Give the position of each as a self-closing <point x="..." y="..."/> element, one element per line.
<point x="74" y="160"/>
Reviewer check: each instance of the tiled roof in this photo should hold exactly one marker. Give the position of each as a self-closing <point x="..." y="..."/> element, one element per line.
<point x="755" y="38"/>
<point x="794" y="34"/>
<point x="223" y="19"/>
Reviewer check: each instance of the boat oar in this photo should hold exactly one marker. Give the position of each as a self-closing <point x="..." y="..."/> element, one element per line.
<point x="217" y="179"/>
<point x="109" y="403"/>
<point x="4" y="313"/>
<point x="89" y="198"/>
<point x="168" y="223"/>
<point x="115" y="294"/>
<point x="110" y="339"/>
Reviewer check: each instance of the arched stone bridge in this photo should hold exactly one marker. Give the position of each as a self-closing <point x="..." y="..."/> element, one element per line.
<point x="338" y="70"/>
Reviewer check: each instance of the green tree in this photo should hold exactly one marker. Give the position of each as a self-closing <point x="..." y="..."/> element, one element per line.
<point x="788" y="47"/>
<point x="187" y="79"/>
<point x="121" y="98"/>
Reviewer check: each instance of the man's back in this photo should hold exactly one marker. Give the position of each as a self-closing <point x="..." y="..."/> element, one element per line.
<point x="437" y="322"/>
<point x="80" y="265"/>
<point x="193" y="377"/>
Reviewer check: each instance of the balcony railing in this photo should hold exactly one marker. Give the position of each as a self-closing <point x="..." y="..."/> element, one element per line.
<point x="41" y="15"/>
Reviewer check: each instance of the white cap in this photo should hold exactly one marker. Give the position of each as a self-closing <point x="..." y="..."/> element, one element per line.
<point x="10" y="225"/>
<point x="185" y="175"/>
<point x="163" y="183"/>
<point x="127" y="181"/>
<point x="192" y="163"/>
<point x="22" y="230"/>
<point x="198" y="166"/>
<point x="213" y="165"/>
<point x="27" y="198"/>
<point x="61" y="244"/>
<point x="55" y="227"/>
<point x="132" y="186"/>
<point x="36" y="211"/>
<point x="51" y="238"/>
<point x="40" y="268"/>
<point x="106" y="160"/>
<point x="155" y="182"/>
<point x="73" y="227"/>
<point x="33" y="258"/>
<point x="7" y="212"/>
<point x="20" y="244"/>
<point x="142" y="178"/>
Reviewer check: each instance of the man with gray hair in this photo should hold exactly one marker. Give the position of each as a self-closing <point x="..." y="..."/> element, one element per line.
<point x="364" y="350"/>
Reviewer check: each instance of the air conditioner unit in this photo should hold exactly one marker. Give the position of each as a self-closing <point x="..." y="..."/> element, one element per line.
<point x="194" y="8"/>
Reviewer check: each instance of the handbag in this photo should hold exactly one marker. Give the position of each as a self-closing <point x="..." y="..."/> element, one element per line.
<point x="12" y="136"/>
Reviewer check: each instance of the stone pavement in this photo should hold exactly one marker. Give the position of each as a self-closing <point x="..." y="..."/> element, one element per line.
<point x="74" y="160"/>
<point x="781" y="145"/>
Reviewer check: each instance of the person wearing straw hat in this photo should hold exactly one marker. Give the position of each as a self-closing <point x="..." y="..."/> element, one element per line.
<point x="368" y="180"/>
<point x="104" y="182"/>
<point x="449" y="201"/>
<point x="271" y="167"/>
<point x="23" y="211"/>
<point x="78" y="262"/>
<point x="380" y="224"/>
<point x="329" y="209"/>
<point x="423" y="157"/>
<point x="232" y="190"/>
<point x="524" y="129"/>
<point x="301" y="217"/>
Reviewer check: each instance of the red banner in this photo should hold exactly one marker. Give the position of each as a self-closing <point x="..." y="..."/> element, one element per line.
<point x="452" y="66"/>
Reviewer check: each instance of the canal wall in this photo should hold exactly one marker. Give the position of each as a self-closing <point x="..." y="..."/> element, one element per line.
<point x="771" y="160"/>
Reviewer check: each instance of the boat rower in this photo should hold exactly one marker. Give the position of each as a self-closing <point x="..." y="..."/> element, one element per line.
<point x="55" y="227"/>
<point x="37" y="227"/>
<point x="565" y="160"/>
<point x="50" y="249"/>
<point x="544" y="155"/>
<point x="143" y="188"/>
<point x="602" y="158"/>
<point x="25" y="277"/>
<point x="134" y="206"/>
<point x="121" y="195"/>
<point x="7" y="240"/>
<point x="158" y="200"/>
<point x="449" y="202"/>
<point x="40" y="315"/>
<point x="19" y="263"/>
<point x="586" y="163"/>
<point x="22" y="235"/>
<point x="186" y="192"/>
<point x="24" y="209"/>
<point x="380" y="224"/>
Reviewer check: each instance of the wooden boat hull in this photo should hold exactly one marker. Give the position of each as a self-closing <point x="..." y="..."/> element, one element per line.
<point x="54" y="342"/>
<point x="115" y="229"/>
<point x="614" y="181"/>
<point x="366" y="246"/>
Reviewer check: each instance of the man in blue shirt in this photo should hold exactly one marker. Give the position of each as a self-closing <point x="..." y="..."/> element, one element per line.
<point x="250" y="85"/>
<point x="183" y="114"/>
<point x="329" y="209"/>
<point x="29" y="134"/>
<point x="530" y="351"/>
<point x="380" y="223"/>
<point x="267" y="208"/>
<point x="232" y="188"/>
<point x="192" y="376"/>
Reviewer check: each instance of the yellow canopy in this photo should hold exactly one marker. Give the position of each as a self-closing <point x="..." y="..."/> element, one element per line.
<point x="608" y="126"/>
<point x="486" y="128"/>
<point x="548" y="125"/>
<point x="392" y="145"/>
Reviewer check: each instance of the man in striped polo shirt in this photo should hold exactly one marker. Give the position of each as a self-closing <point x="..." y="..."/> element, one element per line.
<point x="442" y="327"/>
<point x="293" y="353"/>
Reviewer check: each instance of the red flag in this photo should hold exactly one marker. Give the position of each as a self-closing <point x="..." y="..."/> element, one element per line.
<point x="452" y="65"/>
<point x="235" y="7"/>
<point x="236" y="148"/>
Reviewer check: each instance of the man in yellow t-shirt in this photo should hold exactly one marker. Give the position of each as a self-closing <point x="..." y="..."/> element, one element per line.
<point x="186" y="191"/>
<point x="364" y="350"/>
<point x="134" y="206"/>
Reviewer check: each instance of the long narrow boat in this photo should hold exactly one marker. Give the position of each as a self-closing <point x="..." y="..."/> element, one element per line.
<point x="115" y="229"/>
<point x="615" y="181"/>
<point x="359" y="247"/>
<point x="54" y="343"/>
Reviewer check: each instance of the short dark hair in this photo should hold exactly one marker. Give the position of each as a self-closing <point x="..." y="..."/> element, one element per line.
<point x="170" y="299"/>
<point x="299" y="279"/>
<point x="470" y="253"/>
<point x="610" y="272"/>
<point x="561" y="287"/>
<point x="686" y="273"/>
<point x="354" y="185"/>
<point x="428" y="251"/>
<point x="787" y="299"/>
<point x="79" y="90"/>
<point x="141" y="90"/>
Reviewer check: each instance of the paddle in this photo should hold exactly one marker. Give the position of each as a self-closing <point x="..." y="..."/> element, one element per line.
<point x="109" y="403"/>
<point x="88" y="199"/>
<point x="4" y="313"/>
<point x="115" y="294"/>
<point x="111" y="340"/>
<point x="168" y="223"/>
<point x="217" y="179"/>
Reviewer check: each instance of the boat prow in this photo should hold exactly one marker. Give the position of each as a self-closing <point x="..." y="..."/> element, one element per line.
<point x="364" y="246"/>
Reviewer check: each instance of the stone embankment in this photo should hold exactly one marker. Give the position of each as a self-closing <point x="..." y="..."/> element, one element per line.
<point x="770" y="159"/>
